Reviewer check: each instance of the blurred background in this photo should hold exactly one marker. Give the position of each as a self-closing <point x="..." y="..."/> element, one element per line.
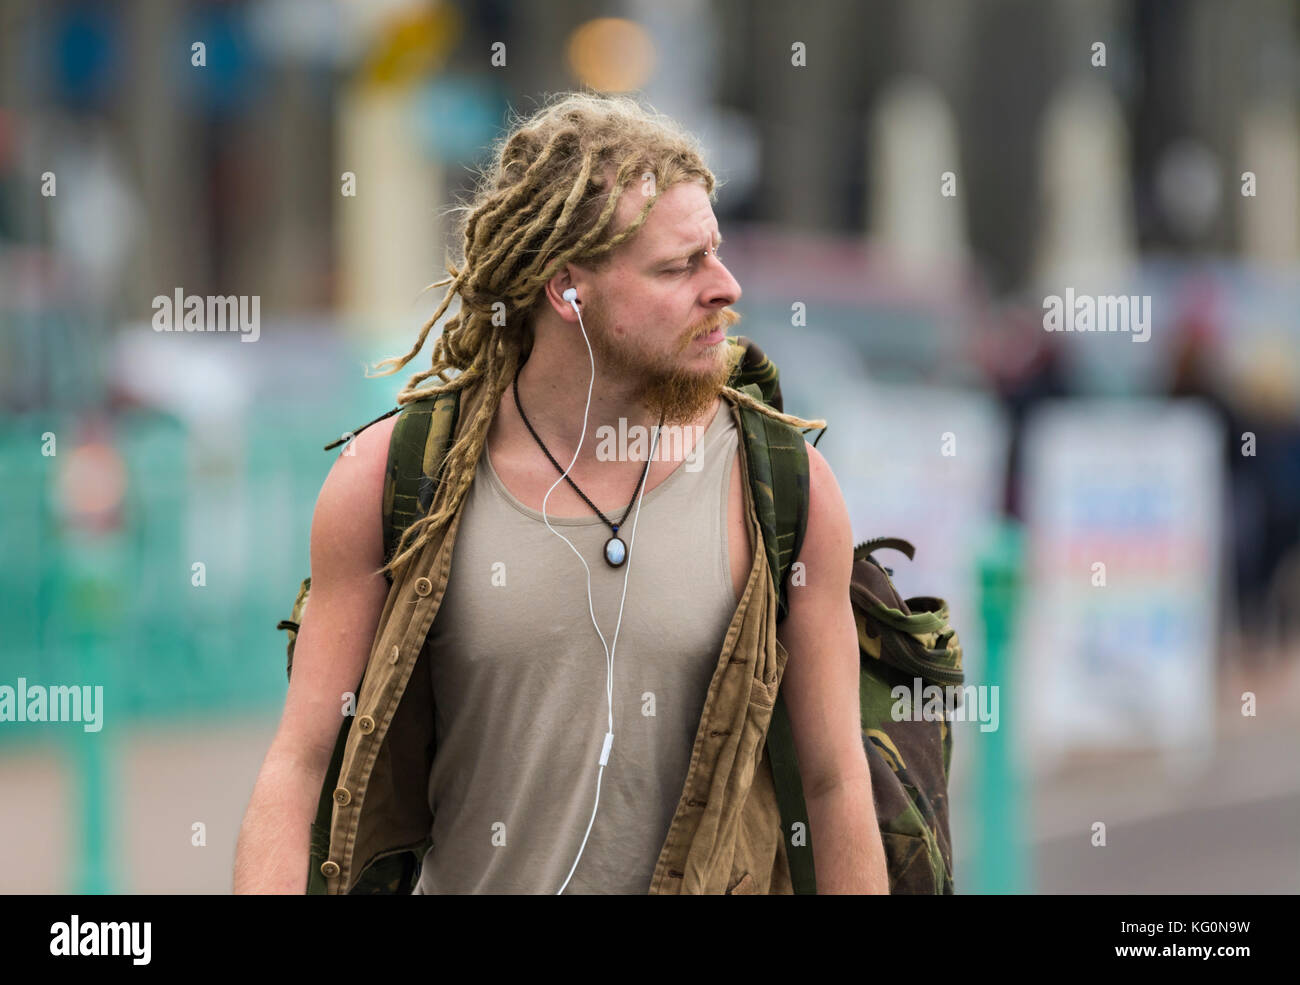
<point x="1114" y="518"/>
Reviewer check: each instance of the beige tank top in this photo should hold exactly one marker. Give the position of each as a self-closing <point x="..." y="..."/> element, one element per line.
<point x="519" y="682"/>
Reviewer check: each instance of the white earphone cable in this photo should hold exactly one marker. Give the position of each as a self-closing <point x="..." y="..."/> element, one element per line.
<point x="609" y="650"/>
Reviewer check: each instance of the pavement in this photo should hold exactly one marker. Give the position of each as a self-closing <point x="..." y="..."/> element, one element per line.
<point x="1228" y="826"/>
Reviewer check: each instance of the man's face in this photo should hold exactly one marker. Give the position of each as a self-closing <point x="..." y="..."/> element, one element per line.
<point x="657" y="298"/>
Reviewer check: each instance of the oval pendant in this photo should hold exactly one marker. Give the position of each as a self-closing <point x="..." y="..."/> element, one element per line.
<point x="615" y="552"/>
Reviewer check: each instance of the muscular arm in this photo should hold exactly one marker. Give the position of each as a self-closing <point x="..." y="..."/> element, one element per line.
<point x="333" y="644"/>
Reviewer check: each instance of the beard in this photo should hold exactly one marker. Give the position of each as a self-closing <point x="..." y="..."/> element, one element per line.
<point x="663" y="383"/>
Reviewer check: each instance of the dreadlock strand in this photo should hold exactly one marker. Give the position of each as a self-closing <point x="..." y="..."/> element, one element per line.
<point x="745" y="400"/>
<point x="424" y="334"/>
<point x="575" y="194"/>
<point x="523" y="188"/>
<point x="466" y="450"/>
<point x="598" y="228"/>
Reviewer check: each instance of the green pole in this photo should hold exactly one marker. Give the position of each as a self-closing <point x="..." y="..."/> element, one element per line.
<point x="1000" y="863"/>
<point x="95" y="597"/>
<point x="93" y="876"/>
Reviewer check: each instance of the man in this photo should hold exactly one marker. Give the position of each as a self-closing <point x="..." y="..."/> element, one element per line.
<point x="550" y="775"/>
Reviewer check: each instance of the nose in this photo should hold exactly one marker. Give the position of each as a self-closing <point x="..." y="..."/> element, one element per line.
<point x="723" y="289"/>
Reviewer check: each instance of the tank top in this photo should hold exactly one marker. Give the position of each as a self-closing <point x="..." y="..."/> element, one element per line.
<point x="519" y="682"/>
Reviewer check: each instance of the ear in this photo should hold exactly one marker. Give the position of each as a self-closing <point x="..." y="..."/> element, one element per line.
<point x="568" y="277"/>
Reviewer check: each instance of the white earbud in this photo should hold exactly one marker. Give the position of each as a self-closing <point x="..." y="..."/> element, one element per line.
<point x="571" y="295"/>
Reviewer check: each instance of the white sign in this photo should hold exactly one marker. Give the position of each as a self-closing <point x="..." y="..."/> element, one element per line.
<point x="1119" y="611"/>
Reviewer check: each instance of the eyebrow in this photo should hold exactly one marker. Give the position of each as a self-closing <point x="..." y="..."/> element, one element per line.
<point x="689" y="253"/>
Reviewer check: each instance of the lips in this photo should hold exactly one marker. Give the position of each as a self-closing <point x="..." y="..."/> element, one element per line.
<point x="716" y="333"/>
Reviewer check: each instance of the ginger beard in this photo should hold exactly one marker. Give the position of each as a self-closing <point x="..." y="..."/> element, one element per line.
<point x="679" y="384"/>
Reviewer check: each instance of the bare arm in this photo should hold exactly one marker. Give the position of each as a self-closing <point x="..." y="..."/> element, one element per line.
<point x="329" y="657"/>
<point x="821" y="688"/>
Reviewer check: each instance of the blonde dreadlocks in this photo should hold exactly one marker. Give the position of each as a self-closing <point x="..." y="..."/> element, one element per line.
<point x="546" y="199"/>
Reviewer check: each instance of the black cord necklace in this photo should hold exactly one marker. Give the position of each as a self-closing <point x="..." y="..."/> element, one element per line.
<point x="615" y="549"/>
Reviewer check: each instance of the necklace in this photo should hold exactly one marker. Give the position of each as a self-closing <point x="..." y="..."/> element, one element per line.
<point x="615" y="549"/>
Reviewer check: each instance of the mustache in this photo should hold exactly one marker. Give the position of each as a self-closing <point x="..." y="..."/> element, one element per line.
<point x="724" y="320"/>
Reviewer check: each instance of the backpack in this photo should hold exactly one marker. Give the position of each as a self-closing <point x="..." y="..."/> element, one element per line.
<point x="902" y="643"/>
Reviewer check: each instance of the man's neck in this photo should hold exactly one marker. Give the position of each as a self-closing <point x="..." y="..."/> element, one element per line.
<point x="553" y="394"/>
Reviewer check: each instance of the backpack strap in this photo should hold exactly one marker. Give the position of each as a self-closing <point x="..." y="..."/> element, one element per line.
<point x="755" y="367"/>
<point x="778" y="479"/>
<point x="418" y="447"/>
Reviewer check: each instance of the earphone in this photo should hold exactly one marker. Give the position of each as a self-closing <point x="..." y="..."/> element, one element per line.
<point x="571" y="295"/>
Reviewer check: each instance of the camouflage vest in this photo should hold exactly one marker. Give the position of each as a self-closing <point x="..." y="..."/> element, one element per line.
<point x="899" y="641"/>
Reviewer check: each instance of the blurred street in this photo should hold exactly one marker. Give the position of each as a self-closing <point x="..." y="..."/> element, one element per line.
<point x="1229" y="827"/>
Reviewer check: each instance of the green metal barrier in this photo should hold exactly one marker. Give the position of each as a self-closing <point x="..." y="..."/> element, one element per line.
<point x="119" y="609"/>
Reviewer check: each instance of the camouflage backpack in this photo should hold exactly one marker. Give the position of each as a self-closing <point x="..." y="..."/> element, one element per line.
<point x="899" y="641"/>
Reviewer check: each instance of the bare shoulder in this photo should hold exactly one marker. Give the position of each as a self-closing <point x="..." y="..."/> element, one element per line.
<point x="347" y="526"/>
<point x="347" y="597"/>
<point x="817" y="464"/>
<point x="829" y="530"/>
<point x="820" y="475"/>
